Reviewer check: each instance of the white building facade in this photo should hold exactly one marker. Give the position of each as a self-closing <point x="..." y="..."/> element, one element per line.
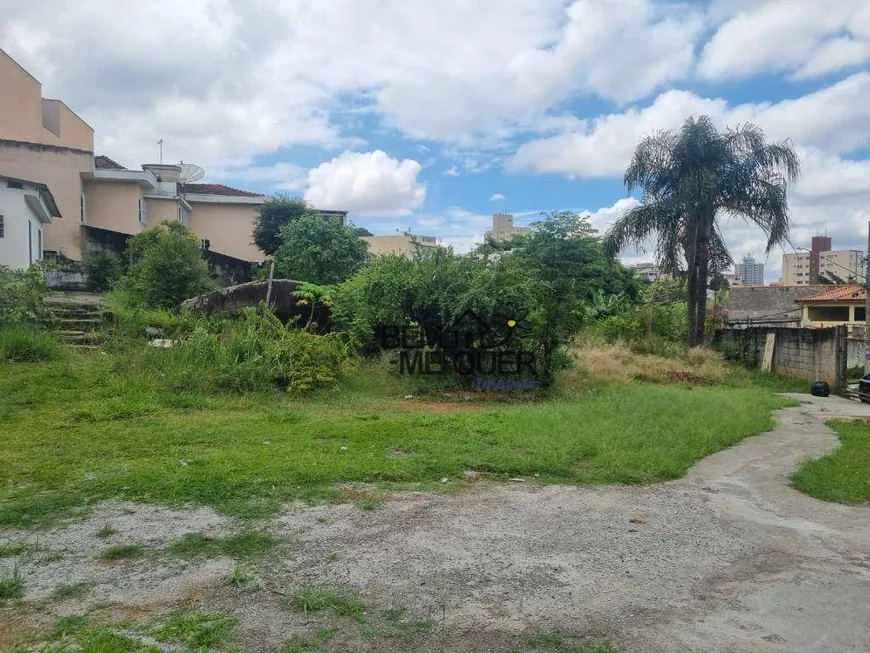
<point x="25" y="208"/>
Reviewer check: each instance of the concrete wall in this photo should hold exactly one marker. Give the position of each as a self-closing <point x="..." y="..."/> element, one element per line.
<point x="229" y="228"/>
<point x="811" y="354"/>
<point x="774" y="305"/>
<point x="113" y="206"/>
<point x="60" y="169"/>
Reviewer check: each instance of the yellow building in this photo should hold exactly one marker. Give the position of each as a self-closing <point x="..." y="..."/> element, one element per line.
<point x="838" y="306"/>
<point x="403" y="244"/>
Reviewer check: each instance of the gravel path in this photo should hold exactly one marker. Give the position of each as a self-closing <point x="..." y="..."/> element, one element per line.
<point x="729" y="558"/>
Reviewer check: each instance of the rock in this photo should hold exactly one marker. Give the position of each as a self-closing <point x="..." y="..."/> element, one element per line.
<point x="409" y="396"/>
<point x="445" y="480"/>
<point x="517" y="479"/>
<point x="161" y="343"/>
<point x="153" y="332"/>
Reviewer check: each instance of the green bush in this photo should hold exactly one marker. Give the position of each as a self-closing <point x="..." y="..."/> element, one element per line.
<point x="169" y="269"/>
<point x="254" y="352"/>
<point x="103" y="269"/>
<point x="27" y="344"/>
<point x="21" y="294"/>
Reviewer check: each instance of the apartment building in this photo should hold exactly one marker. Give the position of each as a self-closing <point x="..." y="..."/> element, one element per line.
<point x="749" y="272"/>
<point x="822" y="262"/>
<point x="647" y="272"/>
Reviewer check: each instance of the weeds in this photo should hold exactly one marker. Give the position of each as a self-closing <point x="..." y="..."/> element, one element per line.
<point x="122" y="552"/>
<point x="199" y="631"/>
<point x="72" y="590"/>
<point x="309" y="644"/>
<point x="107" y="530"/>
<point x="13" y="549"/>
<point x="11" y="587"/>
<point x="317" y="599"/>
<point x="20" y="344"/>
<point x="247" y="544"/>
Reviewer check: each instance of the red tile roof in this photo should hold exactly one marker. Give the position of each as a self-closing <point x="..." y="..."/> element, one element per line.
<point x="105" y="163"/>
<point x="217" y="189"/>
<point x="845" y="293"/>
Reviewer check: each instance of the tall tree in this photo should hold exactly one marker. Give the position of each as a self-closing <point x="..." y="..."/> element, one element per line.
<point x="272" y="216"/>
<point x="319" y="251"/>
<point x="690" y="180"/>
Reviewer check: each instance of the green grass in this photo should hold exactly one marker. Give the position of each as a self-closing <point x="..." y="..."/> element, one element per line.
<point x="844" y="475"/>
<point x="28" y="344"/>
<point x="72" y="590"/>
<point x="122" y="552"/>
<point x="317" y="599"/>
<point x="309" y="644"/>
<point x="198" y="631"/>
<point x="77" y="431"/>
<point x="13" y="549"/>
<point x="11" y="587"/>
<point x="247" y="544"/>
<point x="107" y="530"/>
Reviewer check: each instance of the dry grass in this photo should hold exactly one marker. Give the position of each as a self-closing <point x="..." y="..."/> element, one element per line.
<point x="618" y="364"/>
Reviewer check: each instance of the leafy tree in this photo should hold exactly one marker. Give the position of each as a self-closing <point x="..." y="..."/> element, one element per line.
<point x="22" y="292"/>
<point x="690" y="180"/>
<point x="168" y="266"/>
<point x="272" y="216"/>
<point x="319" y="251"/>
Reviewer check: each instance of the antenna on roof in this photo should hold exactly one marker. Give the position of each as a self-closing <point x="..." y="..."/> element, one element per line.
<point x="160" y="145"/>
<point x="190" y="173"/>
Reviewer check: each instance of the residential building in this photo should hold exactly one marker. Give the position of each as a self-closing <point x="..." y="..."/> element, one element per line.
<point x="25" y="208"/>
<point x="503" y="228"/>
<point x="648" y="272"/>
<point x="844" y="304"/>
<point x="404" y="244"/>
<point x="749" y="272"/>
<point x="103" y="202"/>
<point x="803" y="268"/>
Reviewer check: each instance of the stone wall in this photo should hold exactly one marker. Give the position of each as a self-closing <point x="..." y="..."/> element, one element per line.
<point x="811" y="354"/>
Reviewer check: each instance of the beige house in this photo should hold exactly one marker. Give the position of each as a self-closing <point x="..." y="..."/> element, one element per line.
<point x="403" y="244"/>
<point x="101" y="201"/>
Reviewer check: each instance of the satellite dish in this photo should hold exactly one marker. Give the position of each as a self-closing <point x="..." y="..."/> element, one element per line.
<point x="190" y="173"/>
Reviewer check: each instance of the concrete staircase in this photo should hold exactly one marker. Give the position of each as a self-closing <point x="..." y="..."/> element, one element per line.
<point x="76" y="318"/>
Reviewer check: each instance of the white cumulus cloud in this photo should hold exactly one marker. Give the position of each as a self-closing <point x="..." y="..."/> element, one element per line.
<point x="367" y="182"/>
<point x="497" y="197"/>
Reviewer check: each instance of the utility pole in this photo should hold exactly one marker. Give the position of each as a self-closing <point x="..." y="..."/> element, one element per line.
<point x="867" y="305"/>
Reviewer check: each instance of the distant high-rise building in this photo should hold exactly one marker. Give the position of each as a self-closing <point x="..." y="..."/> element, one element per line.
<point x="749" y="272"/>
<point x="805" y="268"/>
<point x="503" y="228"/>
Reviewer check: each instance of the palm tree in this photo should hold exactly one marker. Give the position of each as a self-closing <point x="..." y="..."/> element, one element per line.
<point x="690" y="181"/>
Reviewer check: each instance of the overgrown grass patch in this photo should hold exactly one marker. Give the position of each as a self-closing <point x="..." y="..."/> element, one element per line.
<point x="246" y="544"/>
<point x="318" y="599"/>
<point x="11" y="586"/>
<point x="844" y="475"/>
<point x="28" y="344"/>
<point x="122" y="552"/>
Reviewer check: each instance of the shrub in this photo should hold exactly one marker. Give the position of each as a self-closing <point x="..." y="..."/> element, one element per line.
<point x="23" y="344"/>
<point x="170" y="267"/>
<point x="21" y="294"/>
<point x="103" y="269"/>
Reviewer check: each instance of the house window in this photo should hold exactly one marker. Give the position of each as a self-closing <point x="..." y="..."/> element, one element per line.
<point x="83" y="214"/>
<point x="2" y="230"/>
<point x="143" y="211"/>
<point x="30" y="241"/>
<point x="39" y="244"/>
<point x="183" y="215"/>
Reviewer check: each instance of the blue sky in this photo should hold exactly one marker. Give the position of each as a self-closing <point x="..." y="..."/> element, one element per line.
<point x="415" y="115"/>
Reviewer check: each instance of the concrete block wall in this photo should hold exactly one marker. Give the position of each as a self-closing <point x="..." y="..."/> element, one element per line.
<point x="810" y="354"/>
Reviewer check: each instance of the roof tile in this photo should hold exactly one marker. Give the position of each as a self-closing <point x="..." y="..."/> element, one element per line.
<point x="105" y="163"/>
<point x="845" y="293"/>
<point x="217" y="189"/>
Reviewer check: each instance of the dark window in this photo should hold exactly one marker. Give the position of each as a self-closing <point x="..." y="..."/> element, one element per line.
<point x="1" y="226"/>
<point x="15" y="184"/>
<point x="860" y="313"/>
<point x="30" y="240"/>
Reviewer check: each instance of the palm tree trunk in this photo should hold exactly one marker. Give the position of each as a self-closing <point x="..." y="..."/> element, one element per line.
<point x="690" y="301"/>
<point x="702" y="266"/>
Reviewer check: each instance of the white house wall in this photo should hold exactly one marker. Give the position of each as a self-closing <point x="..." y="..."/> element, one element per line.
<point x="14" y="252"/>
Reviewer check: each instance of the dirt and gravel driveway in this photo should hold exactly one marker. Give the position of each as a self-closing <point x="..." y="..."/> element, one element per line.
<point x="729" y="558"/>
